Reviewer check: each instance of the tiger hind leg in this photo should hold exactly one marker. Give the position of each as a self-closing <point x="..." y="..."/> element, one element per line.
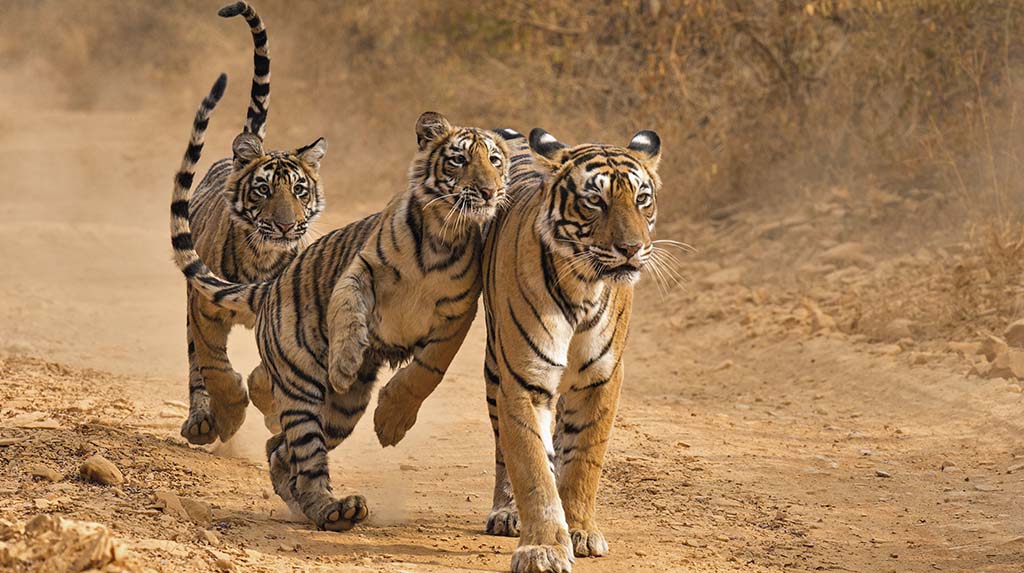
<point x="219" y="414"/>
<point x="199" y="427"/>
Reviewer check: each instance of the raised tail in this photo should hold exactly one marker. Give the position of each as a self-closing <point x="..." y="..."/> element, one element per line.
<point x="231" y="296"/>
<point x="259" y="102"/>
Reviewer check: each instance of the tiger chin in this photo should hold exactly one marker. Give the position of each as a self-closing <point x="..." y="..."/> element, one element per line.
<point x="397" y="287"/>
<point x="559" y="269"/>
<point x="251" y="215"/>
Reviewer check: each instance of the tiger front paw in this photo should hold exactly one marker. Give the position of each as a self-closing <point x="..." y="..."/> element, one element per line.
<point x="199" y="428"/>
<point x="395" y="415"/>
<point x="542" y="559"/>
<point x="343" y="514"/>
<point x="588" y="542"/>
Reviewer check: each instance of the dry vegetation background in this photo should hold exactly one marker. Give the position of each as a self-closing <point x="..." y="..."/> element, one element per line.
<point x="902" y="119"/>
<point x="889" y="124"/>
<point x="750" y="97"/>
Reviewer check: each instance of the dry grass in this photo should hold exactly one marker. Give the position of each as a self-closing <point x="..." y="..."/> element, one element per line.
<point x="749" y="96"/>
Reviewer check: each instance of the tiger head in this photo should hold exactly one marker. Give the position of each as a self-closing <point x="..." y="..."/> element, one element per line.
<point x="603" y="203"/>
<point x="462" y="171"/>
<point x="276" y="193"/>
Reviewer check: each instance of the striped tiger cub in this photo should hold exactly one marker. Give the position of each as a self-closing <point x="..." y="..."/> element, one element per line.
<point x="397" y="285"/>
<point x="559" y="269"/>
<point x="250" y="215"/>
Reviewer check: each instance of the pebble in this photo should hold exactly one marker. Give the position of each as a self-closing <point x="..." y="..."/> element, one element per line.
<point x="198" y="511"/>
<point x="899" y="328"/>
<point x="882" y="474"/>
<point x="44" y="471"/>
<point x="851" y="253"/>
<point x="211" y="537"/>
<point x="1014" y="334"/>
<point x="1014" y="468"/>
<point x="993" y="346"/>
<point x="99" y="469"/>
<point x="11" y="441"/>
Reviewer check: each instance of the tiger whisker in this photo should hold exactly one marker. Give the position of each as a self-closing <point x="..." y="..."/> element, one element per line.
<point x="686" y="247"/>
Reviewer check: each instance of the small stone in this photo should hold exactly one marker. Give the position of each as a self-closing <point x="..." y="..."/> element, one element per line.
<point x="984" y="487"/>
<point x="99" y="469"/>
<point x="724" y="365"/>
<point x="882" y="474"/>
<point x="43" y="471"/>
<point x="1014" y="468"/>
<point x="899" y="328"/>
<point x="851" y="253"/>
<point x="266" y="494"/>
<point x="920" y="358"/>
<point x="1009" y="364"/>
<point x="992" y="347"/>
<point x="199" y="512"/>
<point x="889" y="349"/>
<point x="170" y="413"/>
<point x="819" y="319"/>
<point x="224" y="564"/>
<point x="1014" y="388"/>
<point x="9" y="529"/>
<point x="408" y="468"/>
<point x="211" y="537"/>
<point x="170" y="503"/>
<point x="964" y="348"/>
<point x="1014" y="334"/>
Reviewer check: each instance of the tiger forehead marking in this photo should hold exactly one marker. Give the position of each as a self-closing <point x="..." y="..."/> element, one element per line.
<point x="279" y="170"/>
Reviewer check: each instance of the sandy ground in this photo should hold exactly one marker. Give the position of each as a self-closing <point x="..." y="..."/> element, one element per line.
<point x="755" y="432"/>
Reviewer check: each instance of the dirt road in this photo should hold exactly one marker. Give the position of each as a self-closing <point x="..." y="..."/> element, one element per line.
<point x="754" y="434"/>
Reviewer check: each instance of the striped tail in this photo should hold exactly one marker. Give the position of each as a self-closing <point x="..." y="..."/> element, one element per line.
<point x="231" y="296"/>
<point x="256" y="117"/>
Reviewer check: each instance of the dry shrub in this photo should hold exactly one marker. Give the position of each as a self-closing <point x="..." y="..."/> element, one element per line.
<point x="749" y="96"/>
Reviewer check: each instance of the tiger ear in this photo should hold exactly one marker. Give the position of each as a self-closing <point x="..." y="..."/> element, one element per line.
<point x="246" y="148"/>
<point x="547" y="149"/>
<point x="313" y="153"/>
<point x="431" y="126"/>
<point x="647" y="145"/>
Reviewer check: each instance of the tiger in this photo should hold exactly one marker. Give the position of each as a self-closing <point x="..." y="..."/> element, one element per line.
<point x="560" y="265"/>
<point x="398" y="287"/>
<point x="251" y="215"/>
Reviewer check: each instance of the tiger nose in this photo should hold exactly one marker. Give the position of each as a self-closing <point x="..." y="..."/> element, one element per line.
<point x="628" y="249"/>
<point x="485" y="192"/>
<point x="285" y="227"/>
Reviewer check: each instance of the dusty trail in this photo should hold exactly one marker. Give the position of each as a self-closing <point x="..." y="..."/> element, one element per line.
<point x="784" y="450"/>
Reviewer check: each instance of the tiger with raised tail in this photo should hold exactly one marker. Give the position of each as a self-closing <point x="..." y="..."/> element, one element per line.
<point x="559" y="269"/>
<point x="250" y="216"/>
<point x="397" y="285"/>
